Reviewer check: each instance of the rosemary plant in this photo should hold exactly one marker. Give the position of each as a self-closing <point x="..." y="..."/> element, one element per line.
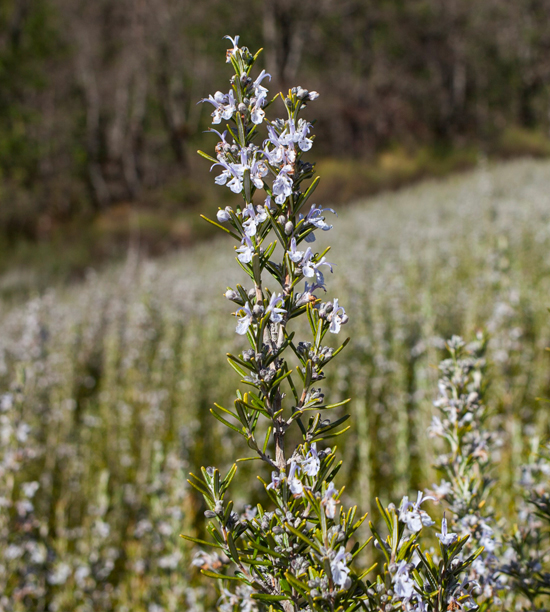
<point x="298" y="552"/>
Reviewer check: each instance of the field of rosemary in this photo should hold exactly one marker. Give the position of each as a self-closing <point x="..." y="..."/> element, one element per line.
<point x="105" y="387"/>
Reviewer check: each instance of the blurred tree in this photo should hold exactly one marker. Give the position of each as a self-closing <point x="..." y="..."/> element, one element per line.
<point x="98" y="99"/>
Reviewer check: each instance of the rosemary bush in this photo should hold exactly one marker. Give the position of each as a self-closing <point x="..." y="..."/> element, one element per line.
<point x="298" y="552"/>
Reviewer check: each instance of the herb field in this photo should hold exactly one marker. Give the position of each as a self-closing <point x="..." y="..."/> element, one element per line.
<point x="106" y="386"/>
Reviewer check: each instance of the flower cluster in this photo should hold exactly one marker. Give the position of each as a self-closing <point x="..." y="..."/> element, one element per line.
<point x="466" y="484"/>
<point x="300" y="554"/>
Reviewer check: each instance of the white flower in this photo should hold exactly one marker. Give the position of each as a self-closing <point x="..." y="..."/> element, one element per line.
<point x="294" y="483"/>
<point x="339" y="569"/>
<point x="445" y="537"/>
<point x="230" y="52"/>
<point x="276" y="313"/>
<point x="223" y="214"/>
<point x="257" y="114"/>
<point x="244" y="321"/>
<point x="442" y="489"/>
<point x="282" y="185"/>
<point x="246" y="250"/>
<point x="412" y="515"/>
<point x="13" y="552"/>
<point x="295" y="256"/>
<point x="231" y="171"/>
<point x="260" y="90"/>
<point x="403" y="585"/>
<point x="329" y="502"/>
<point x="276" y="479"/>
<point x="311" y="463"/>
<point x="224" y="106"/>
<point x="311" y="268"/>
<point x="60" y="574"/>
<point x="337" y="317"/>
<point x="255" y="218"/>
<point x="30" y="488"/>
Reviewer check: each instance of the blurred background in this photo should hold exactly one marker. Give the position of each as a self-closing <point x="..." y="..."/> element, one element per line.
<point x="113" y="328"/>
<point x="99" y="121"/>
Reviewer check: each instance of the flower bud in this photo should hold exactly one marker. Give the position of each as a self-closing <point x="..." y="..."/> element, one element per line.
<point x="289" y="228"/>
<point x="223" y="215"/>
<point x="242" y="108"/>
<point x="281" y="219"/>
<point x="233" y="296"/>
<point x="258" y="310"/>
<point x="209" y="514"/>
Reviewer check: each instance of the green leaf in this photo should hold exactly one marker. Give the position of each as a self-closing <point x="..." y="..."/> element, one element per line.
<point x="385" y="515"/>
<point x="227" y="480"/>
<point x="237" y="369"/>
<point x="267" y="551"/>
<point x="266" y="597"/>
<point x="208" y="157"/>
<point x="267" y="437"/>
<point x="232" y="547"/>
<point x="200" y="542"/>
<point x="332" y="435"/>
<point x="303" y="537"/>
<point x="225" y="229"/>
<point x="240" y="362"/>
<point x="300" y="586"/>
<point x="200" y="487"/>
<point x="217" y="576"/>
<point x="227" y="423"/>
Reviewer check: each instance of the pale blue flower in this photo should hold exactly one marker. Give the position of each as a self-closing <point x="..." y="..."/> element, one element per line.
<point x="276" y="313"/>
<point x="403" y="585"/>
<point x="230" y="52"/>
<point x="281" y="154"/>
<point x="292" y="136"/>
<point x="276" y="479"/>
<point x="224" y="106"/>
<point x="412" y="515"/>
<point x="244" y="321"/>
<point x="311" y="463"/>
<point x="257" y="114"/>
<point x="329" y="501"/>
<point x="316" y="218"/>
<point x="231" y="171"/>
<point x="294" y="483"/>
<point x="442" y="489"/>
<point x="311" y="268"/>
<point x="223" y="214"/>
<point x="446" y="538"/>
<point x="337" y="317"/>
<point x="255" y="218"/>
<point x="339" y="569"/>
<point x="282" y="185"/>
<point x="260" y="90"/>
<point x="246" y="250"/>
<point x="295" y="256"/>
